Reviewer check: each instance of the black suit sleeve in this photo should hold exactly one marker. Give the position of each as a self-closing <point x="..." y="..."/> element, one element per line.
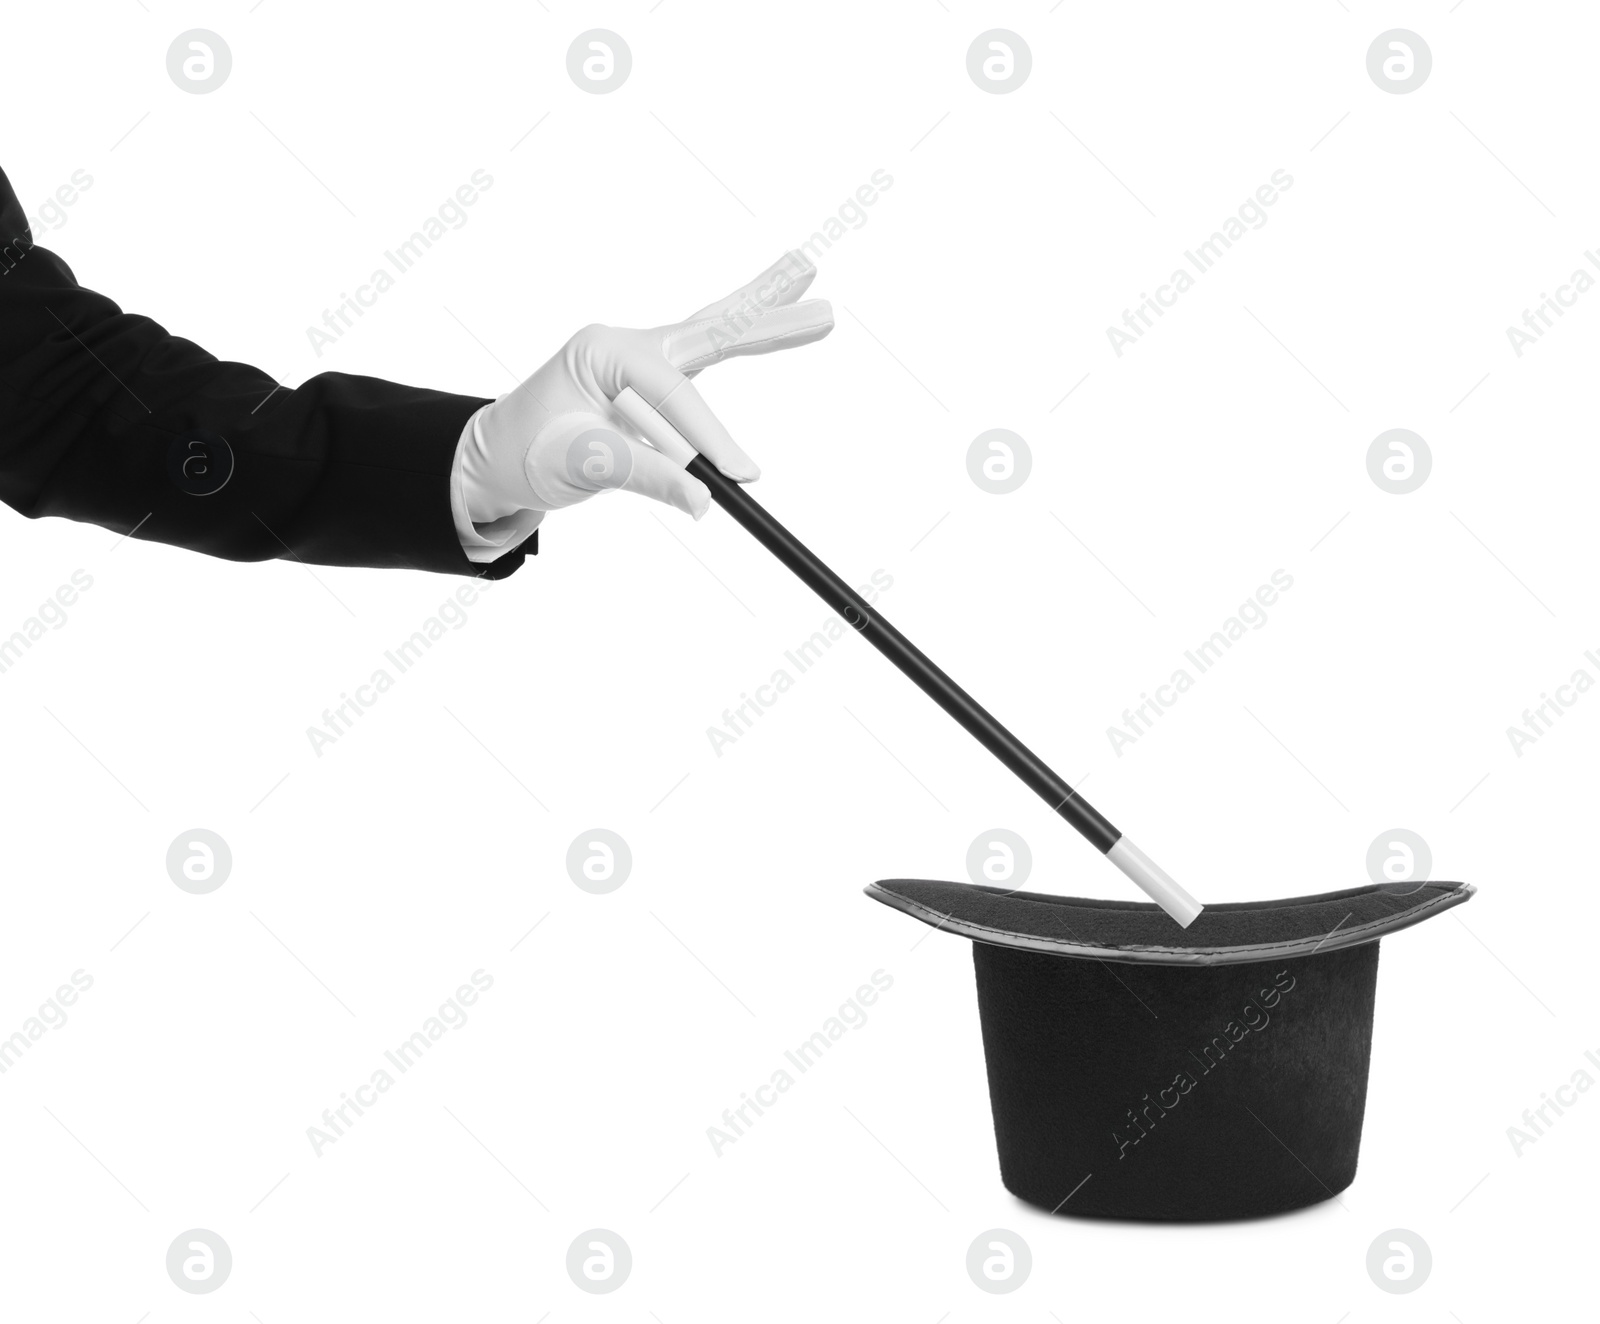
<point x="106" y="417"/>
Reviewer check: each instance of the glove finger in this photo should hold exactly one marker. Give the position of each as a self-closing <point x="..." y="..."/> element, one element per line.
<point x="674" y="397"/>
<point x="692" y="346"/>
<point x="653" y="475"/>
<point x="781" y="283"/>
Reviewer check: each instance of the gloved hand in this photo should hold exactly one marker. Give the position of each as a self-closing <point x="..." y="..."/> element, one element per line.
<point x="558" y="439"/>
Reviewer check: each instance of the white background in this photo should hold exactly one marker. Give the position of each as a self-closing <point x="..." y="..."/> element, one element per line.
<point x="370" y="882"/>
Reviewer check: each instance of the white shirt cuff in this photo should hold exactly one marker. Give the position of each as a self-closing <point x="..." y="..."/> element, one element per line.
<point x="485" y="534"/>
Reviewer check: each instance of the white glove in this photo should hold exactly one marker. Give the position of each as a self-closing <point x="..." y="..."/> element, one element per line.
<point x="558" y="438"/>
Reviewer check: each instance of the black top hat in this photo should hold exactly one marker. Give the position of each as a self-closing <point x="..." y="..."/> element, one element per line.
<point x="1140" y="1070"/>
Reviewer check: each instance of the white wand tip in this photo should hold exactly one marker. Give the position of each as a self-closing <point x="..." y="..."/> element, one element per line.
<point x="1155" y="882"/>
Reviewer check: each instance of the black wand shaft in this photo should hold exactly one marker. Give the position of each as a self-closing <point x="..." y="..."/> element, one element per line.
<point x="872" y="626"/>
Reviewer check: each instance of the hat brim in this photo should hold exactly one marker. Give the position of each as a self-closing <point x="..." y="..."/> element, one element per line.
<point x="1228" y="933"/>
